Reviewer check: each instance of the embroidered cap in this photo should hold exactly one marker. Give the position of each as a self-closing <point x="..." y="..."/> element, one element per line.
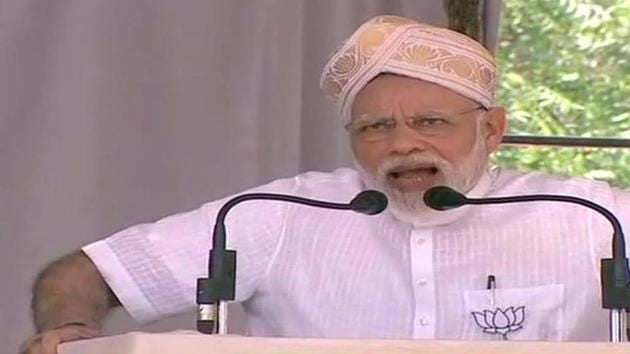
<point x="398" y="45"/>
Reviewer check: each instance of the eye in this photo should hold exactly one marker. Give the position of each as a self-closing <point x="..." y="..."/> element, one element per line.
<point x="376" y="127"/>
<point x="421" y="122"/>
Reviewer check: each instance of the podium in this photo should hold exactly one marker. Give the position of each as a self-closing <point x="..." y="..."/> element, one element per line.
<point x="196" y="343"/>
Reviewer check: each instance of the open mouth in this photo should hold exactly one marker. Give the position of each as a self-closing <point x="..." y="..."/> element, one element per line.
<point x="413" y="178"/>
<point x="413" y="173"/>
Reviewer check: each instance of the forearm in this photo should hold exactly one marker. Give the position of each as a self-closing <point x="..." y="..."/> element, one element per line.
<point x="71" y="290"/>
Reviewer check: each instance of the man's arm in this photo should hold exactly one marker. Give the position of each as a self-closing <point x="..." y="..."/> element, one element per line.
<point x="70" y="302"/>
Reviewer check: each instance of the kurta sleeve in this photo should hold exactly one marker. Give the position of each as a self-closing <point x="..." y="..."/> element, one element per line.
<point x="153" y="268"/>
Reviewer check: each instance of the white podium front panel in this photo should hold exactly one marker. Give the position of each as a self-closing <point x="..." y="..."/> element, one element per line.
<point x="195" y="343"/>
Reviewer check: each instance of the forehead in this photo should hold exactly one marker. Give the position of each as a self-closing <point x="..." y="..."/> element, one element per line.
<point x="393" y="93"/>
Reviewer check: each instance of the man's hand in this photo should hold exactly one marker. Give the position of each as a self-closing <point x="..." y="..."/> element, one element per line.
<point x="70" y="300"/>
<point x="47" y="341"/>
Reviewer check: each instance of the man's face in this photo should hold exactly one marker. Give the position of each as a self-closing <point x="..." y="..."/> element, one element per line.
<point x="437" y="136"/>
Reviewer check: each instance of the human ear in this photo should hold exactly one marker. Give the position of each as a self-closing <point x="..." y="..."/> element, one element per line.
<point x="495" y="127"/>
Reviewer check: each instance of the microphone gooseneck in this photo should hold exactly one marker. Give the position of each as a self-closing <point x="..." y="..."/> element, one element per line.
<point x="221" y="284"/>
<point x="445" y="198"/>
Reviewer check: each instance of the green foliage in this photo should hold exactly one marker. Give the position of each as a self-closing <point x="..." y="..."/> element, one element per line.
<point x="565" y="70"/>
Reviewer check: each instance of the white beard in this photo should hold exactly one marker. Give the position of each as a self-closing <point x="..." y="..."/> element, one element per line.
<point x="408" y="206"/>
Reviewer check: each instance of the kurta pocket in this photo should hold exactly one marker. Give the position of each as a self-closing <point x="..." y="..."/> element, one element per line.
<point x="533" y="313"/>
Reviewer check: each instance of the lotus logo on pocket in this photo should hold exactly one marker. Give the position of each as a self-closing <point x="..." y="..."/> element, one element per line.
<point x="500" y="321"/>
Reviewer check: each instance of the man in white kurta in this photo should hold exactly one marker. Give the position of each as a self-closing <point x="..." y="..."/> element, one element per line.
<point x="408" y="272"/>
<point x="325" y="273"/>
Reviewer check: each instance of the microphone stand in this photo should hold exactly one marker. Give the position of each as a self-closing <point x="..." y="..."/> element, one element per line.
<point x="615" y="277"/>
<point x="214" y="292"/>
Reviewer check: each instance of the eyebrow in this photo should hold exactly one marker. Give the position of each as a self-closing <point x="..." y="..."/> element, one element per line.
<point x="436" y="112"/>
<point x="368" y="116"/>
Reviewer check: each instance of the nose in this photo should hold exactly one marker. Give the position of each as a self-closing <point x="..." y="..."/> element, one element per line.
<point x="404" y="140"/>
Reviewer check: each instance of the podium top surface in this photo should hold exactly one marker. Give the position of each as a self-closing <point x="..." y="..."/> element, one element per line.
<point x="196" y="343"/>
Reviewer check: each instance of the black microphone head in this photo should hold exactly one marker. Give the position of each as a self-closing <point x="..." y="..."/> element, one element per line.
<point x="443" y="198"/>
<point x="369" y="202"/>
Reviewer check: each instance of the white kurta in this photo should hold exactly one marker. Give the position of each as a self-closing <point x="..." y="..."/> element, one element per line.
<point x="323" y="273"/>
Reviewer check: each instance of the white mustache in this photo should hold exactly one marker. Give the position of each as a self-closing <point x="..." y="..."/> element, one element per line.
<point x="410" y="161"/>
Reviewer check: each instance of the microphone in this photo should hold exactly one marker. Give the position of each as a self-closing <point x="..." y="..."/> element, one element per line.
<point x="369" y="202"/>
<point x="615" y="278"/>
<point x="221" y="284"/>
<point x="443" y="198"/>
